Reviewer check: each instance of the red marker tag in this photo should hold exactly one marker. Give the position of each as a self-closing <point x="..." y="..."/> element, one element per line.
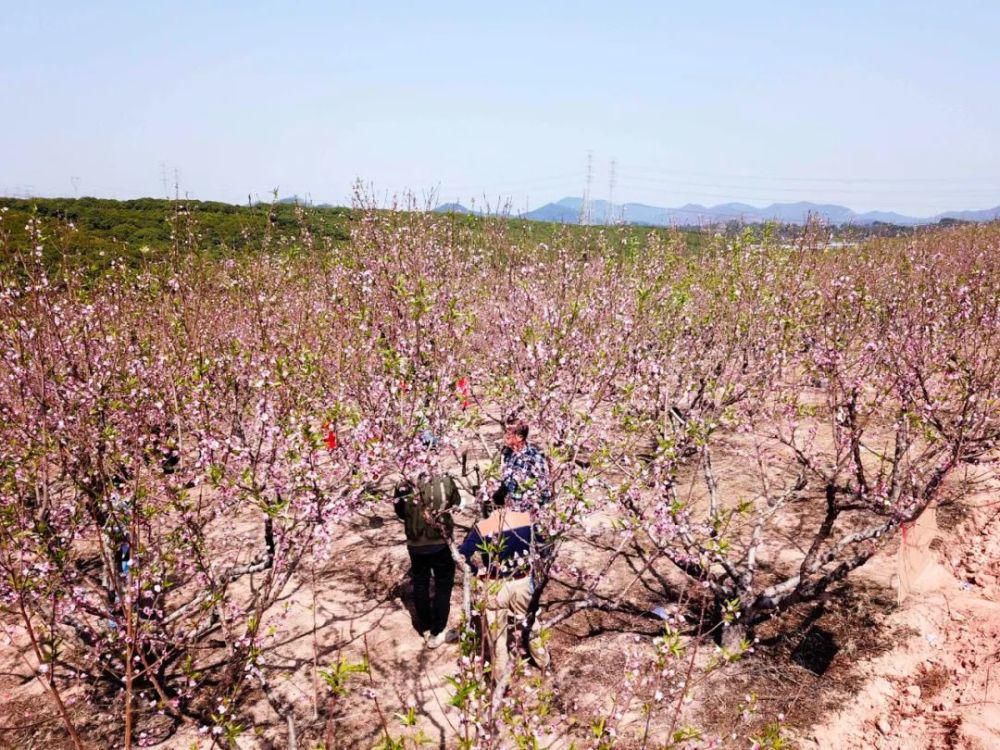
<point x="331" y="437"/>
<point x="464" y="392"/>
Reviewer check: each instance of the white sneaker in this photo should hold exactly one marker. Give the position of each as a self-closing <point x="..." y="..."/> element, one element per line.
<point x="445" y="636"/>
<point x="541" y="658"/>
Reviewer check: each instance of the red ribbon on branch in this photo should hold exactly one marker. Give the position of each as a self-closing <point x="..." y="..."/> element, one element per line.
<point x="331" y="437"/>
<point x="464" y="392"/>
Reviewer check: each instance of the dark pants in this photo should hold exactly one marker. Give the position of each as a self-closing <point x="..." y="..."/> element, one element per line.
<point x="432" y="613"/>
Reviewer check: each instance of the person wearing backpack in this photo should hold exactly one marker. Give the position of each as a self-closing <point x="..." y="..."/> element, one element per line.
<point x="424" y="509"/>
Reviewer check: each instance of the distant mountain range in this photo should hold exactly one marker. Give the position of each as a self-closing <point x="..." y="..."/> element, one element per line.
<point x="567" y="211"/>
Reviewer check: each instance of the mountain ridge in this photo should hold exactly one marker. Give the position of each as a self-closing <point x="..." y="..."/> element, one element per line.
<point x="567" y="211"/>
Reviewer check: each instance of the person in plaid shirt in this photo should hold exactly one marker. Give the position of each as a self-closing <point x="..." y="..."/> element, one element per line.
<point x="524" y="476"/>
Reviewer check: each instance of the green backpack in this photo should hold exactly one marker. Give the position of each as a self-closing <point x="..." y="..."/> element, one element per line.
<point x="426" y="518"/>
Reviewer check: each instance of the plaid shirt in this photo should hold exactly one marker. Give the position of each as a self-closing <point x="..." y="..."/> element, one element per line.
<point x="526" y="476"/>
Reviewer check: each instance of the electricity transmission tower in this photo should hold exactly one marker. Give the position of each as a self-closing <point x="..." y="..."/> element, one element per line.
<point x="610" y="216"/>
<point x="585" y="205"/>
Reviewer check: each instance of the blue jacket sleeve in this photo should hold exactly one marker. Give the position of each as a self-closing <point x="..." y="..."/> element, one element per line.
<point x="469" y="547"/>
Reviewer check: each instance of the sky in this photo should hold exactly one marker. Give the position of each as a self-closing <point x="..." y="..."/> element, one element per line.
<point x="872" y="105"/>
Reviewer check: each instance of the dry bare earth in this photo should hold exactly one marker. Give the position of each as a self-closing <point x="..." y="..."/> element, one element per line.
<point x="920" y="674"/>
<point x="942" y="641"/>
<point x="939" y="687"/>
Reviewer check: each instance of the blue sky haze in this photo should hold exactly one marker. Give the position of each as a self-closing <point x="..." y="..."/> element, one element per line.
<point x="874" y="105"/>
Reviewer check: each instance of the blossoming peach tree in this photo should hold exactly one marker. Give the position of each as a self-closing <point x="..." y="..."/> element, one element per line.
<point x="178" y="444"/>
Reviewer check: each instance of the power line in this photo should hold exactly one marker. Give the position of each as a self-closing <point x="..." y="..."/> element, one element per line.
<point x="512" y="184"/>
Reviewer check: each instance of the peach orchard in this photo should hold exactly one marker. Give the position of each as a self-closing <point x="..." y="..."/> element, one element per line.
<point x="178" y="443"/>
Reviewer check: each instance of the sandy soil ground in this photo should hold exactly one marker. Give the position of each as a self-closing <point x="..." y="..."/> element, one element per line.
<point x="917" y="633"/>
<point x="940" y="687"/>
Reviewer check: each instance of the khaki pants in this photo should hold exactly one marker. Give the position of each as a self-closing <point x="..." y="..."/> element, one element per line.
<point x="506" y="599"/>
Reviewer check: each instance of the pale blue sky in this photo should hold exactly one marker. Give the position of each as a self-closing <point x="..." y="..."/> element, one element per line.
<point x="874" y="105"/>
